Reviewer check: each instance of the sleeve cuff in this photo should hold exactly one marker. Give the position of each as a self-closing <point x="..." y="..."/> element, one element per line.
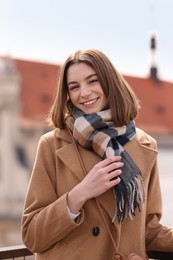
<point x="71" y="215"/>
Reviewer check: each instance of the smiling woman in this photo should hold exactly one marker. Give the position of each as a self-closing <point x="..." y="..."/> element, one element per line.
<point x="95" y="174"/>
<point x="85" y="91"/>
<point x="122" y="100"/>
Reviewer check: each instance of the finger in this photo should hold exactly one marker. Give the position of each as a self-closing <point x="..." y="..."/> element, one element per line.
<point x="108" y="161"/>
<point x="114" y="166"/>
<point x="115" y="182"/>
<point x="114" y="174"/>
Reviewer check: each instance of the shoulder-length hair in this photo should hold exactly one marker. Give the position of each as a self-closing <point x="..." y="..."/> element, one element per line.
<point x="122" y="100"/>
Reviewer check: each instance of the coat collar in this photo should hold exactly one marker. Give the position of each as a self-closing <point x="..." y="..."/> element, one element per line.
<point x="139" y="149"/>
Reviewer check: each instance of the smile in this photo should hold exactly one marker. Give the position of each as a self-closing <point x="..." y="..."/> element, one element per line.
<point x="90" y="102"/>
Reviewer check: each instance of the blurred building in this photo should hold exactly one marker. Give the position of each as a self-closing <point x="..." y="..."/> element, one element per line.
<point x="156" y="98"/>
<point x="27" y="90"/>
<point x="26" y="94"/>
<point x="10" y="106"/>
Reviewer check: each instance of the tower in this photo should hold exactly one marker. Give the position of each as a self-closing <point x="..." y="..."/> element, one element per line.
<point x="153" y="55"/>
<point x="9" y="116"/>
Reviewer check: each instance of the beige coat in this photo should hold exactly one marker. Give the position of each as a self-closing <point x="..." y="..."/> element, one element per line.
<point x="48" y="230"/>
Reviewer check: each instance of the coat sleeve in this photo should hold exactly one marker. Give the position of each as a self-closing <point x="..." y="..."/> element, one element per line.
<point x="45" y="220"/>
<point x="158" y="237"/>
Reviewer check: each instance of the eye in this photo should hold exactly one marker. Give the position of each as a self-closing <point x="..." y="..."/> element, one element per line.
<point x="73" y="87"/>
<point x="93" y="81"/>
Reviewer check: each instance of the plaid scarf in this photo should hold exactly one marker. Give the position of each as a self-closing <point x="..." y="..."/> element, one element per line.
<point x="98" y="132"/>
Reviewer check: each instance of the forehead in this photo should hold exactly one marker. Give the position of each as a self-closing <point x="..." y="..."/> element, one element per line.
<point x="79" y="70"/>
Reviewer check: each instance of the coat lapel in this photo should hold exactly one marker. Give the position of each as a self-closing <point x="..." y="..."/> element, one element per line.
<point x="68" y="155"/>
<point x="141" y="153"/>
<point x="107" y="200"/>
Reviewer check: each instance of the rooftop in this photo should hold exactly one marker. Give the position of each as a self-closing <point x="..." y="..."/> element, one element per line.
<point x="39" y="85"/>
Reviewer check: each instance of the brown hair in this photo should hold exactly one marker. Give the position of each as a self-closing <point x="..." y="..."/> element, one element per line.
<point x="122" y="100"/>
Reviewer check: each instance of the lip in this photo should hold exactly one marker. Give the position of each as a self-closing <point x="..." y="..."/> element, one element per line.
<point x="90" y="102"/>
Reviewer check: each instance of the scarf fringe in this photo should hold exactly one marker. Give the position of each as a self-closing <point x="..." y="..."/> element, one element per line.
<point x="130" y="199"/>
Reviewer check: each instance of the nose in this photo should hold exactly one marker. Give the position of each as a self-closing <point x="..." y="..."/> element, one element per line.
<point x="85" y="91"/>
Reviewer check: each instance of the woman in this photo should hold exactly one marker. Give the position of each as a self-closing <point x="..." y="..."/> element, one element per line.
<point x="66" y="206"/>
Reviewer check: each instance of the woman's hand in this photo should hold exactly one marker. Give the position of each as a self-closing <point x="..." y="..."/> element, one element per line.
<point x="102" y="177"/>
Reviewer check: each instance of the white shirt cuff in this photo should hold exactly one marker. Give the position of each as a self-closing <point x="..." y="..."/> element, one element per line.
<point x="71" y="215"/>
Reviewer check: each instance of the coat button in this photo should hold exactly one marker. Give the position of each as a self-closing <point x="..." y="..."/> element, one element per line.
<point x="96" y="231"/>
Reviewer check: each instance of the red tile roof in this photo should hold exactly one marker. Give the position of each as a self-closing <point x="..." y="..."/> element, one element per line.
<point x="38" y="87"/>
<point x="156" y="99"/>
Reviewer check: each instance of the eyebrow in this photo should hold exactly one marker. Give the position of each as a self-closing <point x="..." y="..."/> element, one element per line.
<point x="88" y="77"/>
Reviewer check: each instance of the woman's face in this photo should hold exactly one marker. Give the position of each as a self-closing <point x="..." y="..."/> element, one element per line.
<point x="84" y="89"/>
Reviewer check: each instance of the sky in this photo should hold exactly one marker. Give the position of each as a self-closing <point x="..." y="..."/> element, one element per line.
<point x="50" y="30"/>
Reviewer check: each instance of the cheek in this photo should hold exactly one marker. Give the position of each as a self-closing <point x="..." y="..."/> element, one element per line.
<point x="73" y="96"/>
<point x="104" y="98"/>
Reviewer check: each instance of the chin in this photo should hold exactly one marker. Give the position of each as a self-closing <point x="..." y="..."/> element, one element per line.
<point x="93" y="111"/>
<point x="90" y="110"/>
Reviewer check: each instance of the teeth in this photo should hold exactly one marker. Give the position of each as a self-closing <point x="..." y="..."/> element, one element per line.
<point x="90" y="102"/>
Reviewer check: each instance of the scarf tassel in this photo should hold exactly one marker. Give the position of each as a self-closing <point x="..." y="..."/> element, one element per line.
<point x="128" y="198"/>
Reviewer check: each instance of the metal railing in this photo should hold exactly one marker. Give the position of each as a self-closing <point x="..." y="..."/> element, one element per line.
<point x="12" y="252"/>
<point x="160" y="255"/>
